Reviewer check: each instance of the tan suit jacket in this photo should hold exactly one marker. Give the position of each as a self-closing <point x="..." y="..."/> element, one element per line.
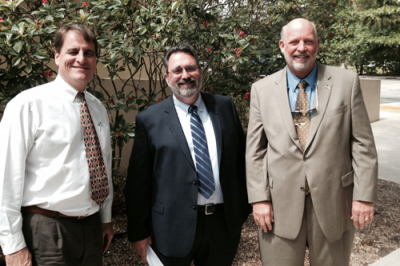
<point x="339" y="162"/>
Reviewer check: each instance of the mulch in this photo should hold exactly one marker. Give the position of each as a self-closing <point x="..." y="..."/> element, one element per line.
<point x="376" y="241"/>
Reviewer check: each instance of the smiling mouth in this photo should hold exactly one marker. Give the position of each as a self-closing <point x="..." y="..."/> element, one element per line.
<point x="83" y="68"/>
<point x="186" y="83"/>
<point x="301" y="57"/>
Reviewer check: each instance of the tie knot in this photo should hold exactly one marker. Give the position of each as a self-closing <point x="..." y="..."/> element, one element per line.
<point x="81" y="95"/>
<point x="302" y="85"/>
<point x="192" y="109"/>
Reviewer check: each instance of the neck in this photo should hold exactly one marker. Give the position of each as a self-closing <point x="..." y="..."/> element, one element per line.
<point x="188" y="101"/>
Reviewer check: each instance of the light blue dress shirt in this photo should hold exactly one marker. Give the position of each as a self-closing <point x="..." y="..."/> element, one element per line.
<point x="293" y="91"/>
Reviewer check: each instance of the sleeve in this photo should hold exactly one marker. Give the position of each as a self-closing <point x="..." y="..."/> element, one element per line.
<point x="256" y="154"/>
<point x="106" y="207"/>
<point x="241" y="165"/>
<point x="138" y="185"/>
<point x="365" y="161"/>
<point x="16" y="140"/>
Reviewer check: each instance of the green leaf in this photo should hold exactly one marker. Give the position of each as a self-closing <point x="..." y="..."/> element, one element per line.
<point x="18" y="46"/>
<point x="16" y="61"/>
<point x="28" y="66"/>
<point x="142" y="30"/>
<point x="174" y="5"/>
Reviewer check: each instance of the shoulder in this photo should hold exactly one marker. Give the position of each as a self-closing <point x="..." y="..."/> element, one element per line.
<point x="207" y="97"/>
<point x="156" y="109"/>
<point x="336" y="71"/>
<point x="276" y="77"/>
<point x="31" y="95"/>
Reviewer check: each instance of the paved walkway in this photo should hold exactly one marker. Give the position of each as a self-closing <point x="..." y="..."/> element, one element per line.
<point x="387" y="140"/>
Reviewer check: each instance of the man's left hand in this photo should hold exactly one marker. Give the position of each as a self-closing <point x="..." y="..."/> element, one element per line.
<point x="362" y="213"/>
<point x="108" y="234"/>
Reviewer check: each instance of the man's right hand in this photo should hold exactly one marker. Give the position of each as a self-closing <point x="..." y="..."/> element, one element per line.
<point x="141" y="248"/>
<point x="263" y="215"/>
<point x="20" y="258"/>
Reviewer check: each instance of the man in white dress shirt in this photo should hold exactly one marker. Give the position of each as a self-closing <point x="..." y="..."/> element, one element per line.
<point x="49" y="213"/>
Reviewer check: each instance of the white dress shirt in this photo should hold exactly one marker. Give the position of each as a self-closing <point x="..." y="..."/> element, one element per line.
<point x="43" y="159"/>
<point x="184" y="118"/>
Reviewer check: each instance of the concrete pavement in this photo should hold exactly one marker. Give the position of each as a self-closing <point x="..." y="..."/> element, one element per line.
<point x="387" y="139"/>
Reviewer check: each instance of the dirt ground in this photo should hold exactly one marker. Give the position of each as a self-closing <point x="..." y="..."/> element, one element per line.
<point x="376" y="241"/>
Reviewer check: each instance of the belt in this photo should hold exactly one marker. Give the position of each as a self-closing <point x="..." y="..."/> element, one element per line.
<point x="38" y="210"/>
<point x="210" y="208"/>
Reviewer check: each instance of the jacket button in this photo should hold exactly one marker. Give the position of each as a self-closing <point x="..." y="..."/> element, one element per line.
<point x="302" y="189"/>
<point x="194" y="183"/>
<point x="305" y="159"/>
<point x="194" y="207"/>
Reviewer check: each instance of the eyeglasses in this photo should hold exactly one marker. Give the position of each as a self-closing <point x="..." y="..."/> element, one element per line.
<point x="189" y="69"/>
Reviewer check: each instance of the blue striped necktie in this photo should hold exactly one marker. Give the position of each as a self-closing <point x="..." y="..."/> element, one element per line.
<point x="203" y="162"/>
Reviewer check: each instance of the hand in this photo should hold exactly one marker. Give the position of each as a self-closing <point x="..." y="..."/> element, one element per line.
<point x="141" y="248"/>
<point x="362" y="213"/>
<point x="263" y="215"/>
<point x="108" y="234"/>
<point x="20" y="258"/>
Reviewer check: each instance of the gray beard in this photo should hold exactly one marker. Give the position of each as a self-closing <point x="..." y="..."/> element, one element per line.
<point x="185" y="92"/>
<point x="301" y="67"/>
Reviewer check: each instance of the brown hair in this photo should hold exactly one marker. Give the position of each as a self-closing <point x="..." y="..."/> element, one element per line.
<point x="180" y="49"/>
<point x="82" y="29"/>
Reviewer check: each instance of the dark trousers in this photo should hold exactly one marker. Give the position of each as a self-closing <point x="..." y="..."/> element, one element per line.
<point x="213" y="245"/>
<point x="63" y="241"/>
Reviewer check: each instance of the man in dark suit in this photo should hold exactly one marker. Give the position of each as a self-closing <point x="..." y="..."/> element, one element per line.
<point x="186" y="189"/>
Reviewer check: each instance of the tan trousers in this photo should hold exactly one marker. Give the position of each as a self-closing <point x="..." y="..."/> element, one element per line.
<point x="277" y="251"/>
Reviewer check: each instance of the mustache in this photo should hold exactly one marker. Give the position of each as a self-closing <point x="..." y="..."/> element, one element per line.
<point x="186" y="80"/>
<point x="301" y="54"/>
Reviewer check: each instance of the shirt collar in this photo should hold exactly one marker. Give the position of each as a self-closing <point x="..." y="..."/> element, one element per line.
<point x="292" y="80"/>
<point x="66" y="89"/>
<point x="185" y="107"/>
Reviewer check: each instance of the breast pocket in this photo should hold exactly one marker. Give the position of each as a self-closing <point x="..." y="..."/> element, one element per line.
<point x="337" y="111"/>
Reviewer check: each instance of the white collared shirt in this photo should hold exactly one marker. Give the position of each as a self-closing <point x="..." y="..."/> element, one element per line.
<point x="43" y="159"/>
<point x="184" y="118"/>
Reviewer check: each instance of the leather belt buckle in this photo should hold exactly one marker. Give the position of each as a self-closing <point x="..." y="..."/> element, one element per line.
<point x="210" y="209"/>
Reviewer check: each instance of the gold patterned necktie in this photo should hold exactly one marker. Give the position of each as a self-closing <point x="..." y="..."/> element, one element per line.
<point x="97" y="170"/>
<point x="302" y="114"/>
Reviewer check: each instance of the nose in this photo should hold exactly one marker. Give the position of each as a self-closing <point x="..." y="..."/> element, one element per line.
<point x="185" y="74"/>
<point x="301" y="47"/>
<point x="80" y="58"/>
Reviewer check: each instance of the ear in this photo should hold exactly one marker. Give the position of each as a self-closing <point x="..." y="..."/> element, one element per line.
<point x="56" y="58"/>
<point x="166" y="78"/>
<point x="319" y="41"/>
<point x="282" y="46"/>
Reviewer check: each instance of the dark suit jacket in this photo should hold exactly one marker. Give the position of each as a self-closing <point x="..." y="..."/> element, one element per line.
<point x="162" y="187"/>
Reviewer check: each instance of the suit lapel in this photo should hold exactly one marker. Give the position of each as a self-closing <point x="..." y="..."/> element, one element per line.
<point x="324" y="88"/>
<point x="281" y="93"/>
<point x="212" y="109"/>
<point x="172" y="121"/>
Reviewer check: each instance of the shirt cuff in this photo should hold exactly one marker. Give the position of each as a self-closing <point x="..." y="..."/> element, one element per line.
<point x="106" y="214"/>
<point x="12" y="243"/>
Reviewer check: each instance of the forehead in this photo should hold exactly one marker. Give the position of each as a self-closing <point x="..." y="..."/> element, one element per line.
<point x="300" y="30"/>
<point x="181" y="59"/>
<point x="75" y="40"/>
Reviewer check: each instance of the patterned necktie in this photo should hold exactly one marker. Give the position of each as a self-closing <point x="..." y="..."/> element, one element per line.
<point x="203" y="162"/>
<point x="97" y="170"/>
<point x="302" y="114"/>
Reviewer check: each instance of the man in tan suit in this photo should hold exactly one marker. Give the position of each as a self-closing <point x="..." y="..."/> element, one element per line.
<point x="311" y="159"/>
